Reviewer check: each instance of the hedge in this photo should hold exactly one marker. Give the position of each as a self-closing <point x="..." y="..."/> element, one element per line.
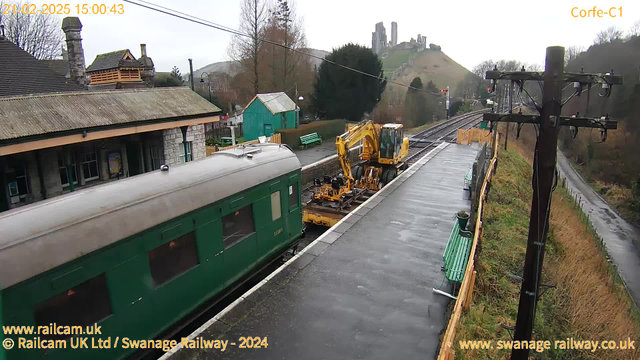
<point x="327" y="129"/>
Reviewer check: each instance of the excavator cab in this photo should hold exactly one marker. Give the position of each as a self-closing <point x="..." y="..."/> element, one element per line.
<point x="391" y="144"/>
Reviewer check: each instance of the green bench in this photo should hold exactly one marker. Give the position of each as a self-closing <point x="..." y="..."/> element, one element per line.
<point x="468" y="178"/>
<point x="456" y="254"/>
<point x="310" y="139"/>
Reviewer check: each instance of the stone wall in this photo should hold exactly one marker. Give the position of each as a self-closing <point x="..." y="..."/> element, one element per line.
<point x="174" y="149"/>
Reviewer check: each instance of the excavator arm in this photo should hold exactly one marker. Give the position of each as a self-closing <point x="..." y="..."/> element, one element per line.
<point x="366" y="131"/>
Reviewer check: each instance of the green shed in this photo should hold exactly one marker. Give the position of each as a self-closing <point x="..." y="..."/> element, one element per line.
<point x="267" y="113"/>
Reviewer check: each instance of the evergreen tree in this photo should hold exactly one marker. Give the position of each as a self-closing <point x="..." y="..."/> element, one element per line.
<point x="346" y="94"/>
<point x="416" y="110"/>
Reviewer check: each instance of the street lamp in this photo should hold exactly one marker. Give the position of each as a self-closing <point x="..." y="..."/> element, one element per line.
<point x="208" y="82"/>
<point x="299" y="98"/>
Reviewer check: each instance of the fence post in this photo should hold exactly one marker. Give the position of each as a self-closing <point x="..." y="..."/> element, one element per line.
<point x="472" y="283"/>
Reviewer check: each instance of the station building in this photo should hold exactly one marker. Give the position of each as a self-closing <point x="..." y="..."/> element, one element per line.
<point x="58" y="134"/>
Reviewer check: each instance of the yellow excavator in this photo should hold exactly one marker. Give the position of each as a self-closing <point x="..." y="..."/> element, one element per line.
<point x="384" y="150"/>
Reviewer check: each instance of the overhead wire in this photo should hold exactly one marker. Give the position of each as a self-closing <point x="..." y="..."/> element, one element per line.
<point x="194" y="19"/>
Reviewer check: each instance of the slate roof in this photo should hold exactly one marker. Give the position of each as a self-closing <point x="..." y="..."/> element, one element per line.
<point x="113" y="60"/>
<point x="277" y="102"/>
<point x="21" y="73"/>
<point x="59" y="66"/>
<point x="24" y="116"/>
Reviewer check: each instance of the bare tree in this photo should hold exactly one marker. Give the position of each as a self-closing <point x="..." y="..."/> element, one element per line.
<point x="634" y="30"/>
<point x="285" y="29"/>
<point x="481" y="69"/>
<point x="572" y="52"/>
<point x="609" y="34"/>
<point x="38" y="34"/>
<point x="246" y="50"/>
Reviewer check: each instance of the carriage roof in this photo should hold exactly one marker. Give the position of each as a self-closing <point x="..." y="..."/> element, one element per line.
<point x="47" y="234"/>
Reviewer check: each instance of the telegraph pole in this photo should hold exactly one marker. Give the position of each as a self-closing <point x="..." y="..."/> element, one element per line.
<point x="544" y="166"/>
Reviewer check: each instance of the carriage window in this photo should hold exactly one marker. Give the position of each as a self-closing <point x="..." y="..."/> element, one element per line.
<point x="293" y="195"/>
<point x="237" y="225"/>
<point x="173" y="258"/>
<point x="82" y="305"/>
<point x="276" y="210"/>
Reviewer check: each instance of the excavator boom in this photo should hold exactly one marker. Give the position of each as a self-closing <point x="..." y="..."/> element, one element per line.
<point x="366" y="131"/>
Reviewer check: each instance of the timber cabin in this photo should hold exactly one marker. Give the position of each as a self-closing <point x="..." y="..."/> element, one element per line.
<point x="120" y="69"/>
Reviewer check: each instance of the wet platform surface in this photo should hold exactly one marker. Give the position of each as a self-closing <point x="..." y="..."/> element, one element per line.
<point x="362" y="290"/>
<point x="316" y="152"/>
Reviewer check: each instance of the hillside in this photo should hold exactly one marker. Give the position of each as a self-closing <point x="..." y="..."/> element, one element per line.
<point x="231" y="68"/>
<point x="316" y="52"/>
<point x="227" y="67"/>
<point x="428" y="64"/>
<point x="612" y="167"/>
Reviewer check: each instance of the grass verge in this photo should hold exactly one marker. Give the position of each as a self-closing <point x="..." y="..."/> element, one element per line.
<point x="588" y="303"/>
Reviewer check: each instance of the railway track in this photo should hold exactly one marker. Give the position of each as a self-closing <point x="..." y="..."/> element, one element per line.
<point x="432" y="137"/>
<point x="429" y="138"/>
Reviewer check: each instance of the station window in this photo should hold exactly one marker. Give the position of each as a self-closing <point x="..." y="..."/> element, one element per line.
<point x="188" y="146"/>
<point x="293" y="195"/>
<point x="157" y="156"/>
<point x="82" y="305"/>
<point x="90" y="166"/>
<point x="173" y="258"/>
<point x="237" y="225"/>
<point x="276" y="210"/>
<point x="62" y="166"/>
<point x="17" y="180"/>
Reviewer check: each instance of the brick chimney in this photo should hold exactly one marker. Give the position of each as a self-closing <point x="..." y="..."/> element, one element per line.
<point x="77" y="69"/>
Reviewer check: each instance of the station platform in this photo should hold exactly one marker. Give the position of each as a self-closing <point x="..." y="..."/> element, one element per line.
<point x="363" y="289"/>
<point x="316" y="153"/>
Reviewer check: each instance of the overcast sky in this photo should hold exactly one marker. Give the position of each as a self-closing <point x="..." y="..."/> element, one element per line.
<point x="468" y="31"/>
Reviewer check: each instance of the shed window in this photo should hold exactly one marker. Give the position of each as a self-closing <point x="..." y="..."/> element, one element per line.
<point x="293" y="195"/>
<point x="90" y="166"/>
<point x="82" y="305"/>
<point x="276" y="210"/>
<point x="173" y="258"/>
<point x="237" y="225"/>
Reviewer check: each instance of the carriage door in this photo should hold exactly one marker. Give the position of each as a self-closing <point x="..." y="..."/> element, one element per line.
<point x="294" y="218"/>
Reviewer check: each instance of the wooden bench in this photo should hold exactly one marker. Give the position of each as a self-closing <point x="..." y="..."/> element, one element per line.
<point x="310" y="139"/>
<point x="456" y="254"/>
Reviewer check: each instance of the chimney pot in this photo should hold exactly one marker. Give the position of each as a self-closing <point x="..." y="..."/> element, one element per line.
<point x="143" y="50"/>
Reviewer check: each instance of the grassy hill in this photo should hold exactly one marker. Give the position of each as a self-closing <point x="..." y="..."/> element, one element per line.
<point x="395" y="59"/>
<point x="428" y="64"/>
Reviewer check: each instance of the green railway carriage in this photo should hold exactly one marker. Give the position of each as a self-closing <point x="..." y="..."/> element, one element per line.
<point x="137" y="255"/>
